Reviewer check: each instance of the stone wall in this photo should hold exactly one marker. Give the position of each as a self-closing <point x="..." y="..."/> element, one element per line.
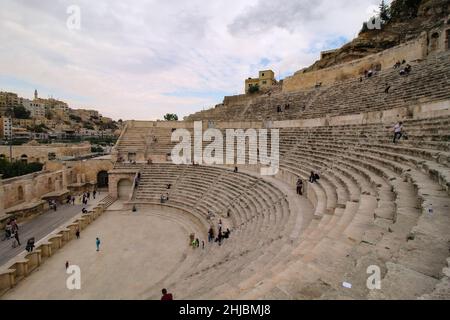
<point x="40" y="153"/>
<point x="31" y="187"/>
<point x="410" y="51"/>
<point x="91" y="168"/>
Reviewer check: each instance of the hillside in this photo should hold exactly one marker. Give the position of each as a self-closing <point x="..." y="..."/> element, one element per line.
<point x="409" y="19"/>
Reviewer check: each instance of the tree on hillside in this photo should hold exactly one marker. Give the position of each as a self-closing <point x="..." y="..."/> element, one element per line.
<point x="170" y="117"/>
<point x="21" y="113"/>
<point x="404" y="9"/>
<point x="384" y="11"/>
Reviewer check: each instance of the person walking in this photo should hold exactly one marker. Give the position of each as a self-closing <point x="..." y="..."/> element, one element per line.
<point x="398" y="131"/>
<point x="77" y="233"/>
<point x="97" y="243"/>
<point x="16" y="236"/>
<point x="94" y="193"/>
<point x="210" y="234"/>
<point x="299" y="187"/>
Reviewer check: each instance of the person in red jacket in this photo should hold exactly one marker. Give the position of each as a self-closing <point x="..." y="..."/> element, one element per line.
<point x="166" y="296"/>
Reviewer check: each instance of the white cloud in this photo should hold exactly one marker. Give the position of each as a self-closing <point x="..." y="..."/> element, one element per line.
<point x="129" y="55"/>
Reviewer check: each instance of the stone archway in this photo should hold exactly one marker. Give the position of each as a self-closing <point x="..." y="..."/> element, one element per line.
<point x="20" y="195"/>
<point x="124" y="187"/>
<point x="102" y="179"/>
<point x="24" y="158"/>
<point x="434" y="42"/>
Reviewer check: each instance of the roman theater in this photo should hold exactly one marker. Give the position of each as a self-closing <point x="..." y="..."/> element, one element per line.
<point x="377" y="206"/>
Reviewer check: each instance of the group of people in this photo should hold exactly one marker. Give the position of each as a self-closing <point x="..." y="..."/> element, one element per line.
<point x="87" y="196"/>
<point x="52" y="204"/>
<point x="70" y="199"/>
<point x="12" y="232"/>
<point x="403" y="71"/>
<point x="220" y="234"/>
<point x="312" y="178"/>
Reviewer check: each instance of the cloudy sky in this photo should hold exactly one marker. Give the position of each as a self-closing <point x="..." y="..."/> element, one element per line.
<point x="139" y="59"/>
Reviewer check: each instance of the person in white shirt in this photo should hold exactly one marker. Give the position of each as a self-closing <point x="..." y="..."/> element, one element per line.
<point x="398" y="131"/>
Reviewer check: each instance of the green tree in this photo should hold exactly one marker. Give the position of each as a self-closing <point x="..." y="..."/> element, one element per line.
<point x="404" y="9"/>
<point x="253" y="88"/>
<point x="20" y="112"/>
<point x="18" y="168"/>
<point x="384" y="11"/>
<point x="170" y="117"/>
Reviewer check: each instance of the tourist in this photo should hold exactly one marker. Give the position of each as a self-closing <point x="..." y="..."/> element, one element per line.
<point x="312" y="177"/>
<point x="408" y="68"/>
<point x="398" y="131"/>
<point x="14" y="225"/>
<point x="169" y="185"/>
<point x="235" y="169"/>
<point x="73" y="200"/>
<point x="228" y="213"/>
<point x="30" y="245"/>
<point x="97" y="243"/>
<point x="211" y="234"/>
<point x="94" y="193"/>
<point x="77" y="233"/>
<point x="166" y="296"/>
<point x="299" y="186"/>
<point x="84" y="210"/>
<point x="8" y="231"/>
<point x="16" y="236"/>
<point x="386" y="89"/>
<point x="220" y="225"/>
<point x="397" y="65"/>
<point x="88" y="195"/>
<point x="67" y="265"/>
<point x="203" y="244"/>
<point x="197" y="243"/>
<point x="370" y="73"/>
<point x="219" y="238"/>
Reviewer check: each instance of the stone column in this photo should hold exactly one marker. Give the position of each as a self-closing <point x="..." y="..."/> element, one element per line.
<point x="56" y="184"/>
<point x="2" y="199"/>
<point x="28" y="191"/>
<point x="65" y="179"/>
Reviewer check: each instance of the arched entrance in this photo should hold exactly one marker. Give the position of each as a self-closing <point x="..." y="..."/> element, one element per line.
<point x="20" y="193"/>
<point x="124" y="189"/>
<point x="102" y="179"/>
<point x="24" y="158"/>
<point x="434" y="45"/>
